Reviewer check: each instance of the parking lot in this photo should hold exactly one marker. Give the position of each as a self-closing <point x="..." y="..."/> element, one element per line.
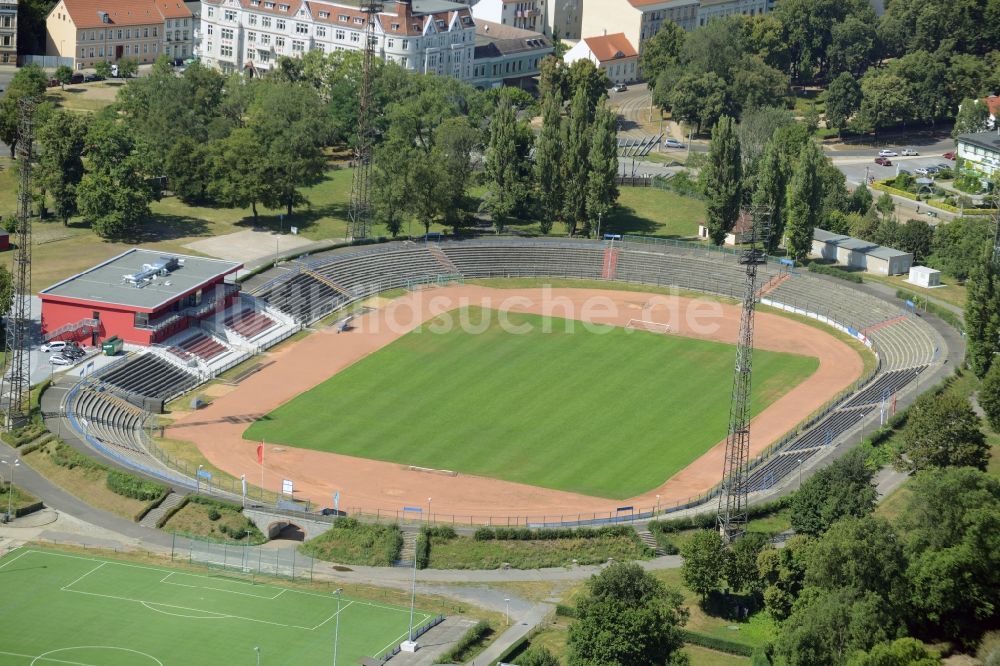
<point x="856" y="168"/>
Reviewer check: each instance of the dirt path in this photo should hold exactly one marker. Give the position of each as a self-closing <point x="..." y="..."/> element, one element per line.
<point x="370" y="485"/>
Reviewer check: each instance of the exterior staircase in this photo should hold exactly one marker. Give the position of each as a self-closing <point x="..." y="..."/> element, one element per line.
<point x="649" y="540"/>
<point x="609" y="270"/>
<point x="78" y="329"/>
<point x="409" y="551"/>
<point x="168" y="503"/>
<point x="325" y="280"/>
<point x="443" y="259"/>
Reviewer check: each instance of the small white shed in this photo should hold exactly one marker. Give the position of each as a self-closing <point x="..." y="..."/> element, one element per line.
<point x="922" y="276"/>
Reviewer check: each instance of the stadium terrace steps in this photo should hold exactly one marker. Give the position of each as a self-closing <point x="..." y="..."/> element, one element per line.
<point x="151" y="376"/>
<point x="649" y="541"/>
<point x="153" y="517"/>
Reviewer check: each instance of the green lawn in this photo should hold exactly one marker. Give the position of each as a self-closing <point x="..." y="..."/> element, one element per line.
<point x="63" y="608"/>
<point x="591" y="409"/>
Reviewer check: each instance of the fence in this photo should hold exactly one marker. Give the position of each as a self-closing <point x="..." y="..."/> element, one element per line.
<point x="242" y="559"/>
<point x="46" y="61"/>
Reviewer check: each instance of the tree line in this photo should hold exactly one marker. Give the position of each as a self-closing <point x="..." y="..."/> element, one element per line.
<point x="246" y="143"/>
<point x="914" y="64"/>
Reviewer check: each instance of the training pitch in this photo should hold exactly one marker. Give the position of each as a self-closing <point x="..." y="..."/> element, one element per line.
<point x="60" y="608"/>
<point x="598" y="410"/>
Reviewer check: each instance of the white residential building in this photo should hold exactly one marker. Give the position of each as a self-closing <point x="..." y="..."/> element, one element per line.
<point x="527" y="15"/>
<point x="423" y="35"/>
<point x="612" y="54"/>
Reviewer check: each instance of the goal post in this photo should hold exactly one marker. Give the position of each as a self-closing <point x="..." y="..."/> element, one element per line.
<point x="646" y="325"/>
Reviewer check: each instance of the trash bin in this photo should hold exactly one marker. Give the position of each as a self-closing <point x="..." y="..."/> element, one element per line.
<point x="112" y="346"/>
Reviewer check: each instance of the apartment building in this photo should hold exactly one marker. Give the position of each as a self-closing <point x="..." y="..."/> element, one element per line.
<point x="8" y="32"/>
<point x="92" y="31"/>
<point x="422" y="35"/>
<point x="506" y="55"/>
<point x="531" y="15"/>
<point x="710" y="9"/>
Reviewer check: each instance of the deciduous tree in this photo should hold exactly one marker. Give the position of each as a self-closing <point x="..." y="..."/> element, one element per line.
<point x="602" y="162"/>
<point x="805" y="202"/>
<point x="989" y="396"/>
<point x="843" y="99"/>
<point x="548" y="162"/>
<point x="704" y="562"/>
<point x="941" y="431"/>
<point x="29" y="81"/>
<point x="723" y="180"/>
<point x="843" y="488"/>
<point x="576" y="165"/>
<point x="60" y="165"/>
<point x="626" y="618"/>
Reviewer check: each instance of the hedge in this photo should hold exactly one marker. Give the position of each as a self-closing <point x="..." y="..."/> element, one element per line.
<point x="66" y="456"/>
<point x="835" y="272"/>
<point x="525" y="534"/>
<point x="962" y="211"/>
<point x="423" y="550"/>
<point x="713" y="643"/>
<point x="704" y="521"/>
<point x="475" y="635"/>
<point x="171" y="511"/>
<point x="562" y="610"/>
<point x="885" y="187"/>
<point x="129" y="485"/>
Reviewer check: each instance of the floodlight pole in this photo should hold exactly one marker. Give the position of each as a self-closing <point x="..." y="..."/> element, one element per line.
<point x="10" y="487"/>
<point x="336" y="631"/>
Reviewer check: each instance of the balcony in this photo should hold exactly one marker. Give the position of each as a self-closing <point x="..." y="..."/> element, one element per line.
<point x="199" y="311"/>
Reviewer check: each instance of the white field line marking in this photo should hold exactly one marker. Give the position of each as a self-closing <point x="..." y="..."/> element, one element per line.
<point x="55" y="661"/>
<point x="150" y="605"/>
<point x="15" y="559"/>
<point x="342" y="609"/>
<point x="193" y="610"/>
<point x="406" y="634"/>
<point x="220" y="589"/>
<point x="44" y="656"/>
<point x="65" y="588"/>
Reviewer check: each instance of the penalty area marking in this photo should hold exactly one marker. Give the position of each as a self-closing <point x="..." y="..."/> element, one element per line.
<point x="207" y="615"/>
<point x="219" y="589"/>
<point x="646" y="325"/>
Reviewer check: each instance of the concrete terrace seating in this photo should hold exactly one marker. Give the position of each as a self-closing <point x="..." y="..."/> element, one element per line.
<point x="112" y="422"/>
<point x="518" y="259"/>
<point x="775" y="468"/>
<point x="884" y="387"/>
<point x="828" y="429"/>
<point x="151" y="376"/>
<point x="200" y="345"/>
<point x="249" y="323"/>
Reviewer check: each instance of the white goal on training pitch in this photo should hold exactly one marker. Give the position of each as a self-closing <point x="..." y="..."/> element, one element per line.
<point x="651" y="326"/>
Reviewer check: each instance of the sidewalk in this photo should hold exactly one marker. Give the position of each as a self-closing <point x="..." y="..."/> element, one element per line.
<point x="516" y="632"/>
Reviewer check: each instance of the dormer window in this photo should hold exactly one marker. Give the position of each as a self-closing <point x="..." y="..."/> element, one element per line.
<point x="283" y="8"/>
<point x="358" y="20"/>
<point x="395" y="26"/>
<point x="324" y="15"/>
<point x="343" y="18"/>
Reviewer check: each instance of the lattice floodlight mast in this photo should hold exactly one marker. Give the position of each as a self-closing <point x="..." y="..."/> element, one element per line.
<point x="360" y="203"/>
<point x="17" y="378"/>
<point x="732" y="515"/>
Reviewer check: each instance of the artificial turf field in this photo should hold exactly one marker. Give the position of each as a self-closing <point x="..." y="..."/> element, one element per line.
<point x="60" y="608"/>
<point x="598" y="410"/>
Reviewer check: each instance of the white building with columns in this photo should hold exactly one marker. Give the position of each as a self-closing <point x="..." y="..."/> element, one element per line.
<point x="422" y="35"/>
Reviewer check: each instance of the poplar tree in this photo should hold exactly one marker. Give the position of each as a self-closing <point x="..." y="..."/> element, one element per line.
<point x="501" y="164"/>
<point x="548" y="161"/>
<point x="805" y="202"/>
<point x="575" y="165"/>
<point x="602" y="186"/>
<point x="723" y="177"/>
<point x="982" y="314"/>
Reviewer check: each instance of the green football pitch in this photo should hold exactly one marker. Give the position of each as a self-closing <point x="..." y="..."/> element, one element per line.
<point x="61" y="608"/>
<point x="599" y="410"/>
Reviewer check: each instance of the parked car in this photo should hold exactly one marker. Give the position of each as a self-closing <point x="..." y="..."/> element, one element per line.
<point x="59" y="359"/>
<point x="950" y="155"/>
<point x="942" y="165"/>
<point x="882" y="161"/>
<point x="55" y="345"/>
<point x="909" y="152"/>
<point x="921" y="171"/>
<point x="52" y="83"/>
<point x="89" y="78"/>
<point x="933" y="169"/>
<point x="621" y="87"/>
<point x="906" y="171"/>
<point x="887" y="153"/>
<point x="673" y="143"/>
<point x="76" y="78"/>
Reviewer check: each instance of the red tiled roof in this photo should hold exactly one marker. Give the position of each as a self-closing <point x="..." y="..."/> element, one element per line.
<point x="611" y="47"/>
<point x="87" y="13"/>
<point x="293" y="7"/>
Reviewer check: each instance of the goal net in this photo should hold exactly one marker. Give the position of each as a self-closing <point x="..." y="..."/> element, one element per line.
<point x="645" y="325"/>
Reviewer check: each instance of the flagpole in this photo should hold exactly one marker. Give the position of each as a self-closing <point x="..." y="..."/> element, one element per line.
<point x="262" y="471"/>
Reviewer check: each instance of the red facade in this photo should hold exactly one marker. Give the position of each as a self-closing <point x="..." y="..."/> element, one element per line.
<point x="135" y="325"/>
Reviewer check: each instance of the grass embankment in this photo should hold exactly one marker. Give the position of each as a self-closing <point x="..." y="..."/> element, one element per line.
<point x="18" y="498"/>
<point x="352" y="542"/>
<point x="515" y="433"/>
<point x="522" y="548"/>
<point x="93" y="482"/>
<point x="214" y="520"/>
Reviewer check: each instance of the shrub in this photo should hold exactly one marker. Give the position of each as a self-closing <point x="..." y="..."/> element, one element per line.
<point x="349" y="541"/>
<point x="474" y="636"/>
<point x="713" y="643"/>
<point x="65" y="456"/>
<point x="128" y="485"/>
<point x="423" y="550"/>
<point x="213" y="514"/>
<point x="525" y="534"/>
<point x="835" y="272"/>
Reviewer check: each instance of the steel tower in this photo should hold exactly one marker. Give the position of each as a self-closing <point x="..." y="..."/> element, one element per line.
<point x="732" y="515"/>
<point x="360" y="203"/>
